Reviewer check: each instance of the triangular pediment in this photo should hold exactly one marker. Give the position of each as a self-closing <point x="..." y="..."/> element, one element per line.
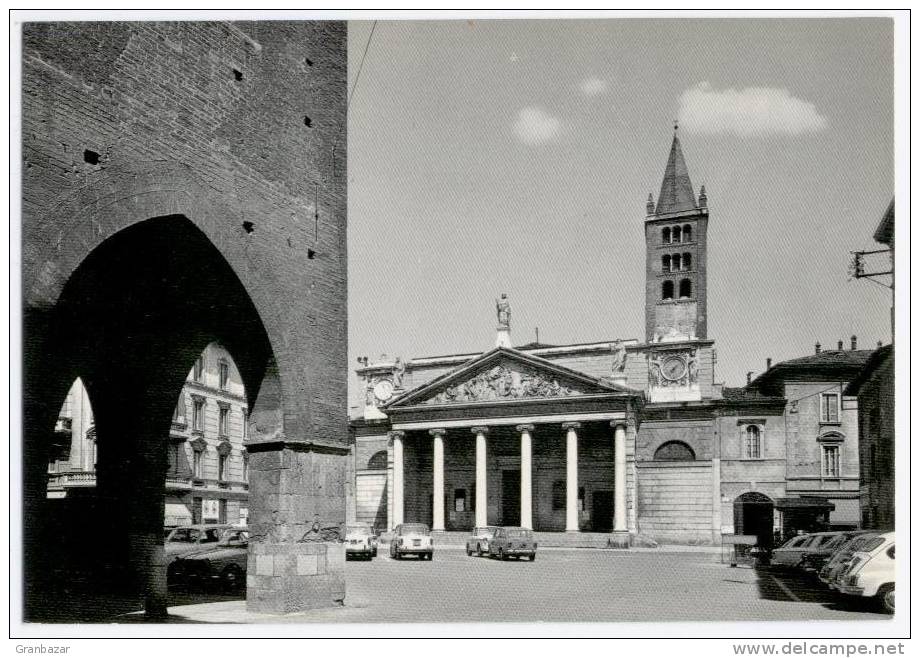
<point x="504" y="375"/>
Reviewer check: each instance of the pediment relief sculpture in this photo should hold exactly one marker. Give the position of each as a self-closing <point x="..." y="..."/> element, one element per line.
<point x="504" y="383"/>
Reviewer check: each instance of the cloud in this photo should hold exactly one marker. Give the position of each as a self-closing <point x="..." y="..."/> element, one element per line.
<point x="752" y="111"/>
<point x="535" y="126"/>
<point x="593" y="86"/>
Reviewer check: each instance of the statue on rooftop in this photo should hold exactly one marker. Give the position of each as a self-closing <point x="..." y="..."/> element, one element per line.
<point x="503" y="310"/>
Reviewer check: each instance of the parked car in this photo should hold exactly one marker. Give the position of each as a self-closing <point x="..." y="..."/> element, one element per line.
<point x="840" y="560"/>
<point x="223" y="562"/>
<point x="513" y="542"/>
<point x="190" y="538"/>
<point x="871" y="572"/>
<point x="360" y="541"/>
<point x="814" y="559"/>
<point x="411" y="539"/>
<point x="478" y="542"/>
<point x="790" y="554"/>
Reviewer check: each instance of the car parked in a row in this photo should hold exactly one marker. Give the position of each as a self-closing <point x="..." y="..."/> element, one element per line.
<point x="221" y="562"/>
<point x="502" y="542"/>
<point x="854" y="563"/>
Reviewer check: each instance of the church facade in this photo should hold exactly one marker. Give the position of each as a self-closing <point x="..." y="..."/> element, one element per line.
<point x="634" y="438"/>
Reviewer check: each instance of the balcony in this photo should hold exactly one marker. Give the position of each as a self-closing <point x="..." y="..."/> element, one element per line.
<point x="176" y="482"/>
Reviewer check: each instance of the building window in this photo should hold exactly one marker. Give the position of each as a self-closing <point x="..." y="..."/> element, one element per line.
<point x="460" y="500"/>
<point x="245" y="424"/>
<point x="688" y="233"/>
<point x="581" y="499"/>
<point x="197" y="505"/>
<point x="674" y="451"/>
<point x="558" y="495"/>
<point x="666" y="263"/>
<point x="666" y="235"/>
<point x="675" y="234"/>
<point x="667" y="290"/>
<point x="753" y="442"/>
<point x="686" y="262"/>
<point x="222" y="511"/>
<point x="830" y="461"/>
<point x="224" y="422"/>
<point x="196" y="464"/>
<point x="198" y="368"/>
<point x="675" y="262"/>
<point x="245" y="466"/>
<point x="222" y="468"/>
<point x="686" y="289"/>
<point x="224" y="374"/>
<point x="830" y="408"/>
<point x="198" y="414"/>
<point x="174" y="448"/>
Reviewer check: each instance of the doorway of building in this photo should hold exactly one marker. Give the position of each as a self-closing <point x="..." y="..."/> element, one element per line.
<point x="511" y="497"/>
<point x="754" y="516"/>
<point x="602" y="511"/>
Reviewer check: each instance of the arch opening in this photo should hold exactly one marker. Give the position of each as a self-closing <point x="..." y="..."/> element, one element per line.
<point x="133" y="319"/>
<point x="753" y="515"/>
<point x="674" y="451"/>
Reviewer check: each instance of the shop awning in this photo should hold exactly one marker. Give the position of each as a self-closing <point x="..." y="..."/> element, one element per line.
<point x="821" y="504"/>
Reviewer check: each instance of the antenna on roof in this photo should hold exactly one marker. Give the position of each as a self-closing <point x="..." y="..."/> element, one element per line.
<point x="537" y="332"/>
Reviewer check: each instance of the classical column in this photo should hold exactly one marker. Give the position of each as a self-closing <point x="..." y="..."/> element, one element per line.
<point x="619" y="476"/>
<point x="571" y="476"/>
<point x="437" y="497"/>
<point x="482" y="507"/>
<point x="526" y="476"/>
<point x="397" y="437"/>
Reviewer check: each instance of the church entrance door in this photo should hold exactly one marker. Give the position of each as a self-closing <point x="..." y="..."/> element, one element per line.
<point x="602" y="511"/>
<point x="511" y="498"/>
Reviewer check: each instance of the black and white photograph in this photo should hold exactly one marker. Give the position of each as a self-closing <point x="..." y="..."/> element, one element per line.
<point x="460" y="324"/>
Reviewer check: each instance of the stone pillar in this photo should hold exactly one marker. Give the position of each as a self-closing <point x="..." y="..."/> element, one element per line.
<point x="526" y="476"/>
<point x="398" y="477"/>
<point x="296" y="523"/>
<point x="437" y="467"/>
<point x="716" y="501"/>
<point x="571" y="476"/>
<point x="482" y="507"/>
<point x="619" y="476"/>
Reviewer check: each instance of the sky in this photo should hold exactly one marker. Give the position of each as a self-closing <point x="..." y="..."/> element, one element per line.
<point x="507" y="156"/>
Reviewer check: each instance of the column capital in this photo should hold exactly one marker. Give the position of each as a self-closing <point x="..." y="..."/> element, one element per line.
<point x="619" y="423"/>
<point x="526" y="427"/>
<point x="438" y="431"/>
<point x="571" y="425"/>
<point x="479" y="429"/>
<point x="396" y="434"/>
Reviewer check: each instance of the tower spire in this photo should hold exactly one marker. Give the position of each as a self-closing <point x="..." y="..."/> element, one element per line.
<point x="676" y="190"/>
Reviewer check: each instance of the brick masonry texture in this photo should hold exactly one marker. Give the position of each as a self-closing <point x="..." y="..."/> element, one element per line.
<point x="240" y="128"/>
<point x="173" y="128"/>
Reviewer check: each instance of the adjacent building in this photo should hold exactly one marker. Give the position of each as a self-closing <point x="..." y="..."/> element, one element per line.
<point x="874" y="390"/>
<point x="208" y="475"/>
<point x="627" y="437"/>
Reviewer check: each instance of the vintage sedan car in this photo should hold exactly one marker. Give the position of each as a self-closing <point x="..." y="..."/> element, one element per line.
<point x="411" y="539"/>
<point x="187" y="539"/>
<point x="871" y="572"/>
<point x="359" y="541"/>
<point x="513" y="542"/>
<point x="790" y="554"/>
<point x="840" y="561"/>
<point x="478" y="542"/>
<point x="814" y="559"/>
<point x="223" y="562"/>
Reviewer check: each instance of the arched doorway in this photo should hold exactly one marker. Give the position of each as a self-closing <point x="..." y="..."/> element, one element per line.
<point x="754" y="516"/>
<point x="132" y="320"/>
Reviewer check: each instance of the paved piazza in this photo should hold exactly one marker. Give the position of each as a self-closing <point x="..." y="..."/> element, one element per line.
<point x="588" y="585"/>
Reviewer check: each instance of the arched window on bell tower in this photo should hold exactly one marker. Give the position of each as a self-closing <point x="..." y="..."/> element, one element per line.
<point x="686" y="262"/>
<point x="666" y="263"/>
<point x="666" y="235"/>
<point x="667" y="290"/>
<point x="686" y="289"/>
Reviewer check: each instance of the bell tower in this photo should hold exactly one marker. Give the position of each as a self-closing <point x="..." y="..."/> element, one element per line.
<point x="675" y="256"/>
